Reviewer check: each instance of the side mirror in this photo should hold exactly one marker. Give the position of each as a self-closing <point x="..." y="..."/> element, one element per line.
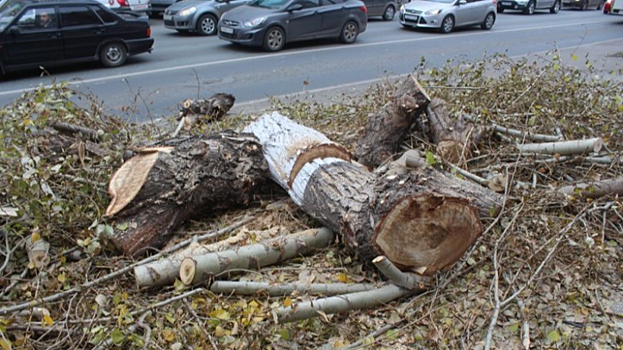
<point x="462" y="2"/>
<point x="295" y="7"/>
<point x="13" y="30"/>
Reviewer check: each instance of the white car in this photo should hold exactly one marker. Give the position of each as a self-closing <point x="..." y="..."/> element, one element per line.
<point x="445" y="15"/>
<point x="127" y="5"/>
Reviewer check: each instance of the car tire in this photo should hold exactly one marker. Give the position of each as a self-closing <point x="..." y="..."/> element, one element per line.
<point x="349" y="32"/>
<point x="206" y="25"/>
<point x="113" y="55"/>
<point x="447" y="24"/>
<point x="389" y="13"/>
<point x="529" y="10"/>
<point x="274" y="39"/>
<point x="489" y="21"/>
<point x="555" y="8"/>
<point x="601" y="3"/>
<point x="499" y="9"/>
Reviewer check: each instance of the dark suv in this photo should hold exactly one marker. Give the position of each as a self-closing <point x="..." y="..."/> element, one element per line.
<point x="43" y="33"/>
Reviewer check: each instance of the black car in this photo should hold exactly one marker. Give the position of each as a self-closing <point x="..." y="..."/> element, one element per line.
<point x="273" y="23"/>
<point x="37" y="33"/>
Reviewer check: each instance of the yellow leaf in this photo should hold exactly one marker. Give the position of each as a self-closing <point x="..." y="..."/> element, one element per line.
<point x="5" y="344"/>
<point x="47" y="319"/>
<point x="61" y="278"/>
<point x="168" y="335"/>
<point x="219" y="332"/>
<point x="574" y="57"/>
<point x="342" y="277"/>
<point x="287" y="302"/>
<point x="35" y="237"/>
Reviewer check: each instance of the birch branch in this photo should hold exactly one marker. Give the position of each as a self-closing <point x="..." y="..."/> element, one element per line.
<point x="563" y="147"/>
<point x="595" y="189"/>
<point x="406" y="280"/>
<point x="525" y="135"/>
<point x="343" y="303"/>
<point x="200" y="268"/>
<point x="251" y="288"/>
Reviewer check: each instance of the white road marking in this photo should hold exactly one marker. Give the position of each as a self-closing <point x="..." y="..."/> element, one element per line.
<point x="293" y="53"/>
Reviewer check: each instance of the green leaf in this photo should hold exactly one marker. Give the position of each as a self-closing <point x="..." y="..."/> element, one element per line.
<point x="513" y="328"/>
<point x="574" y="57"/>
<point x="122" y="227"/>
<point x="392" y="334"/>
<point x="117" y="336"/>
<point x="553" y="336"/>
<point x="430" y="158"/>
<point x="285" y="334"/>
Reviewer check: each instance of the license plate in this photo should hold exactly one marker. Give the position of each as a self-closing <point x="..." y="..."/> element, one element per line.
<point x="140" y="7"/>
<point x="227" y="30"/>
<point x="412" y="17"/>
<point x="167" y="17"/>
<point x="505" y="3"/>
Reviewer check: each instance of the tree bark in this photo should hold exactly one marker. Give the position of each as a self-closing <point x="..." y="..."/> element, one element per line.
<point x="419" y="220"/>
<point x="453" y="139"/>
<point x="387" y="129"/>
<point x="211" y="109"/>
<point x="155" y="191"/>
<point x="564" y="147"/>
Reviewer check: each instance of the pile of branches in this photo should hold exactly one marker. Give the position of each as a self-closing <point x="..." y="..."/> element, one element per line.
<point x="545" y="272"/>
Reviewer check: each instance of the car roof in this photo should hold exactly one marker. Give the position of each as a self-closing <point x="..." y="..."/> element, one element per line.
<point x="51" y="2"/>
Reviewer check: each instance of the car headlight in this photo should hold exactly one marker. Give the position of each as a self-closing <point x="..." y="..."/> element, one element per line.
<point x="254" y="22"/>
<point x="402" y="8"/>
<point x="432" y="12"/>
<point x="188" y="11"/>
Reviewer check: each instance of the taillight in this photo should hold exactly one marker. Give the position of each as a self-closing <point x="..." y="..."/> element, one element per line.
<point x="123" y="3"/>
<point x="364" y="9"/>
<point x="148" y="32"/>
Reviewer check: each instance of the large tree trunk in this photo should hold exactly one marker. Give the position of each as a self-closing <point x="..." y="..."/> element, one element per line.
<point x="418" y="222"/>
<point x="387" y="129"/>
<point x="155" y="191"/>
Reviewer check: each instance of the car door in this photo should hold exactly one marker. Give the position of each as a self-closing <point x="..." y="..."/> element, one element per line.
<point x="306" y="22"/>
<point x="82" y="30"/>
<point x="467" y="13"/>
<point x="28" y="41"/>
<point x="332" y="13"/>
<point x="481" y="8"/>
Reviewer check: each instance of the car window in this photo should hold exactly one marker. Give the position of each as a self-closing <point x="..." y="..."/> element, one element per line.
<point x="78" y="16"/>
<point x="308" y="3"/>
<point x="271" y="4"/>
<point x="106" y="16"/>
<point x="331" y="2"/>
<point x="8" y="11"/>
<point x="39" y="18"/>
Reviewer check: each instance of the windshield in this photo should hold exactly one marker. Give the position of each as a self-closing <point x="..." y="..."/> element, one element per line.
<point x="8" y="10"/>
<point x="269" y="4"/>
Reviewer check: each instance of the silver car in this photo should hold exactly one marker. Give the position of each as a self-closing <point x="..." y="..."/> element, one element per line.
<point x="445" y="15"/>
<point x="199" y="16"/>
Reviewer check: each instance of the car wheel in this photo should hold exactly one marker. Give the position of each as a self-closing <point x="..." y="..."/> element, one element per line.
<point x="349" y="32"/>
<point x="113" y="55"/>
<point x="500" y="9"/>
<point x="206" y="25"/>
<point x="584" y="5"/>
<point x="447" y="24"/>
<point x="600" y="5"/>
<point x="389" y="13"/>
<point x="488" y="22"/>
<point x="530" y="8"/>
<point x="555" y="8"/>
<point x="275" y="39"/>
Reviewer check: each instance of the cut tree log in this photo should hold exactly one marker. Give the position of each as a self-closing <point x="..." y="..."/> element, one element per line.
<point x="210" y="109"/>
<point x="594" y="189"/>
<point x="387" y="129"/>
<point x="155" y="191"/>
<point x="454" y="140"/>
<point x="419" y="220"/>
<point x="564" y="147"/>
<point x="200" y="268"/>
<point x="274" y="289"/>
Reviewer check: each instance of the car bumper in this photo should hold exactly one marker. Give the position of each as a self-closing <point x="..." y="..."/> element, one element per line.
<point x="512" y="5"/>
<point x="245" y="36"/>
<point x="179" y="22"/>
<point x="420" y="20"/>
<point x="140" y="45"/>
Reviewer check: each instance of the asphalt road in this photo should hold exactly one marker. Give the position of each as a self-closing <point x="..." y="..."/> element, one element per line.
<point x="183" y="66"/>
